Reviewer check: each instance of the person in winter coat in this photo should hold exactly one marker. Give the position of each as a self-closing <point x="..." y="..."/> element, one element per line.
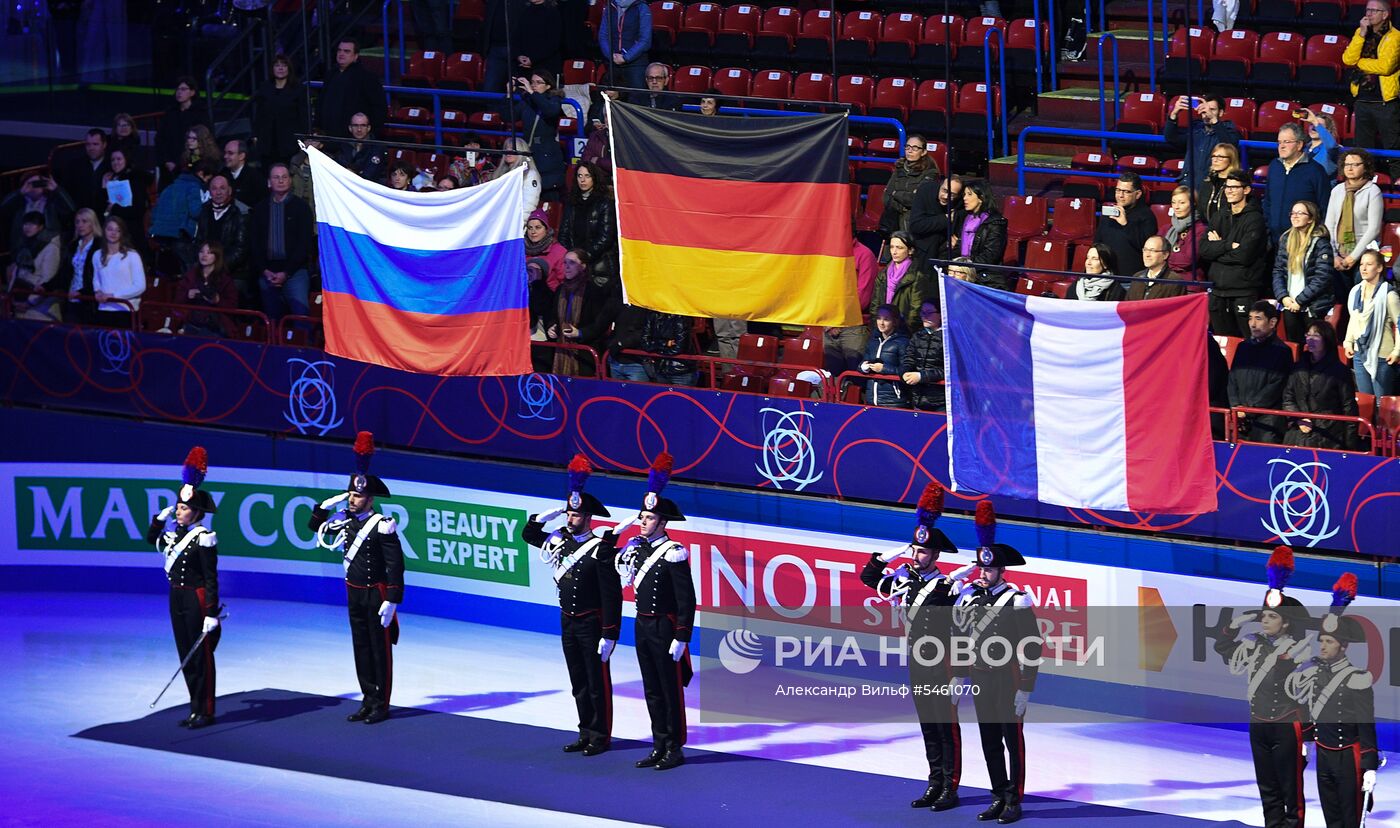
<point x="1183" y="231"/>
<point x="1373" y="338"/>
<point x="541" y="32"/>
<point x="584" y="310"/>
<point x="34" y="266"/>
<point x="668" y="335"/>
<point x="175" y="124"/>
<point x="1234" y="251"/>
<point x="221" y="220"/>
<point x="980" y="235"/>
<point x="509" y="161"/>
<point x="884" y="354"/>
<point x="1208" y="130"/>
<point x="349" y="88"/>
<point x="1097" y="284"/>
<point x="589" y="222"/>
<point x="902" y="285"/>
<point x="922" y="366"/>
<point x="624" y="37"/>
<point x="1258" y="375"/>
<point x="1127" y="224"/>
<point x="1355" y="216"/>
<point x="1210" y="193"/>
<point x="1320" y="384"/>
<point x="916" y="167"/>
<point x="176" y="215"/>
<point x="540" y="242"/>
<point x="937" y="206"/>
<point x="1293" y="177"/>
<point x="540" y="109"/>
<point x="279" y="113"/>
<point x="1303" y="274"/>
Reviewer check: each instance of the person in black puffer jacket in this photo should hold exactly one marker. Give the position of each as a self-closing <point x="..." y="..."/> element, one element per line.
<point x="910" y="172"/>
<point x="589" y="222"/>
<point x="1234" y="252"/>
<point x="668" y="335"/>
<point x="922" y="365"/>
<point x="1320" y="384"/>
<point x="1303" y="272"/>
<point x="981" y="235"/>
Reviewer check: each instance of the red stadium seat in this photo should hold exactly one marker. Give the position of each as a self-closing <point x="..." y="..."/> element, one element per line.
<point x="692" y="79"/>
<point x="772" y="83"/>
<point x="936" y="96"/>
<point x="1140" y="164"/>
<point x="783" y="20"/>
<point x="462" y="70"/>
<point x="733" y="82"/>
<point x="1177" y="65"/>
<point x="666" y="16"/>
<point x="812" y="86"/>
<point x="884" y="147"/>
<point x="1272" y="115"/>
<point x="816" y="23"/>
<point x="744" y="382"/>
<point x="869" y="219"/>
<point x="424" y="69"/>
<point x="1283" y="48"/>
<point x="972" y="98"/>
<point x="1340" y="115"/>
<point x="861" y="25"/>
<point x="1073" y="219"/>
<point x="803" y="350"/>
<point x="1047" y="254"/>
<point x="855" y="90"/>
<point x="904" y="26"/>
<point x="1145" y="108"/>
<point x="701" y="17"/>
<point x="758" y="348"/>
<point x="781" y="387"/>
<point x="938" y="151"/>
<point x="975" y="31"/>
<point x="1021" y="34"/>
<point x="1026" y="217"/>
<point x="1241" y="112"/>
<point x="894" y="97"/>
<point x="579" y="72"/>
<point x="943" y="28"/>
<point x="1239" y="46"/>
<point x="1161" y="213"/>
<point x="744" y="18"/>
<point x="1322" y="61"/>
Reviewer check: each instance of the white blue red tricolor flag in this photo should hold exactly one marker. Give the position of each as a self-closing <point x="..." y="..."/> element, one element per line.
<point x="1093" y="405"/>
<point x="432" y="283"/>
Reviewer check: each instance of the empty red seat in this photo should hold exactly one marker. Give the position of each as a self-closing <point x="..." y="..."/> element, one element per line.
<point x="975" y="31"/>
<point x="936" y="96"/>
<point x="893" y="97"/>
<point x="783" y="20"/>
<point x="424" y="69"/>
<point x="1026" y="216"/>
<point x="741" y="19"/>
<point x="579" y="72"/>
<point x="772" y="83"/>
<point x="1073" y="219"/>
<point x="1047" y="254"/>
<point x="692" y="79"/>
<point x="733" y="81"/>
<point x="1272" y="115"/>
<point x="861" y="25"/>
<point x="943" y="28"/>
<point x="812" y="86"/>
<point x="462" y="70"/>
<point x="1145" y="108"/>
<point x="666" y="16"/>
<point x="816" y="23"/>
<point x="855" y="90"/>
<point x="904" y="26"/>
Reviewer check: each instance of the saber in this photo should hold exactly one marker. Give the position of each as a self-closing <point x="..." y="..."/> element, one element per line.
<point x="198" y="642"/>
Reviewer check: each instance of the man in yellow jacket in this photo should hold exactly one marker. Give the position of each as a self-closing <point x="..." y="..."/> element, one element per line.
<point x="1374" y="58"/>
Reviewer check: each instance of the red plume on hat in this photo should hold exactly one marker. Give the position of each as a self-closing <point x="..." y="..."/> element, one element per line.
<point x="1343" y="592"/>
<point x="579" y="470"/>
<point x="986" y="522"/>
<point x="196" y="466"/>
<point x="930" y="504"/>
<point x="364" y="450"/>
<point x="660" y="473"/>
<point x="1280" y="567"/>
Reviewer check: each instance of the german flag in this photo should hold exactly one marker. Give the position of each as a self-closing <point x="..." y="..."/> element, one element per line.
<point x="738" y="218"/>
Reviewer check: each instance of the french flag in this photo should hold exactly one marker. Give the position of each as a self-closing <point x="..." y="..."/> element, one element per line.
<point x="432" y="283"/>
<point x="1093" y="405"/>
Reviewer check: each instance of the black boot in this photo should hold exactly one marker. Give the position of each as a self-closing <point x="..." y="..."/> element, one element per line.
<point x="358" y="715"/>
<point x="200" y="721"/>
<point x="185" y="722"/>
<point x="597" y="746"/>
<point x="673" y="759"/>
<point x="947" y="799"/>
<point x="993" y="812"/>
<point x="930" y="796"/>
<point x="577" y="745"/>
<point x="377" y="715"/>
<point x="651" y="759"/>
<point x="1012" y="813"/>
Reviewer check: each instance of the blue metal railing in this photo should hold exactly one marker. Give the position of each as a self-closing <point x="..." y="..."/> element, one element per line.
<point x="1102" y="135"/>
<point x="1117" y="104"/>
<point x="384" y="21"/>
<point x="855" y="119"/>
<point x="997" y="93"/>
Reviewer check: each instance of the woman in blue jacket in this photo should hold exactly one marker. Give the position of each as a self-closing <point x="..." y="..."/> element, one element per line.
<point x="540" y="110"/>
<point x="884" y="354"/>
<point x="1303" y="274"/>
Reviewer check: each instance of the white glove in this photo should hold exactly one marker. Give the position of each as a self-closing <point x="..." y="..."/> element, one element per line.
<point x="330" y="503"/>
<point x="605" y="648"/>
<point x="962" y="573"/>
<point x="386" y="613"/>
<point x="1022" y="697"/>
<point x="957" y="689"/>
<point x="1305" y="751"/>
<point x="1243" y="618"/>
<point x="894" y="554"/>
<point x="210" y="623"/>
<point x="166" y="513"/>
<point x="677" y="650"/>
<point x="1300" y="650"/>
<point x="546" y="517"/>
<point x="627" y="524"/>
<point x="1368" y="781"/>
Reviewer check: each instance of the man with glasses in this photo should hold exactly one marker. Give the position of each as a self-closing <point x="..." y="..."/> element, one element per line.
<point x="1126" y="226"/>
<point x="911" y="171"/>
<point x="364" y="160"/>
<point x="658" y="77"/>
<point x="1207" y="130"/>
<point x="1154" y="267"/>
<point x="1234" y="252"/>
<point x="1373" y="56"/>
<point x="1293" y="177"/>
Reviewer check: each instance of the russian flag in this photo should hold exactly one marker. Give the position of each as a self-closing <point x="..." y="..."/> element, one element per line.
<point x="1094" y="405"/>
<point x="432" y="283"/>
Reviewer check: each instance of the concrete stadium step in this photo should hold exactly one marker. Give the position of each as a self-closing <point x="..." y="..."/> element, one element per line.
<point x="1001" y="172"/>
<point x="1072" y="107"/>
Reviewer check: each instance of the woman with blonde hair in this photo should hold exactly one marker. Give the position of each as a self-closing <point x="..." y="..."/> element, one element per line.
<point x="1303" y="270"/>
<point x="509" y="161"/>
<point x="1210" y="195"/>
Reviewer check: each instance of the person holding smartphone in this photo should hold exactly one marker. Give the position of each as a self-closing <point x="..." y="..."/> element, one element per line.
<point x="1207" y="130"/>
<point x="1126" y="224"/>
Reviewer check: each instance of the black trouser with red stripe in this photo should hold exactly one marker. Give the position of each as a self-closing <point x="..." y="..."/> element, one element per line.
<point x="588" y="674"/>
<point x="187" y="620"/>
<point x="1278" y="768"/>
<point x="1002" y="731"/>
<point x="661" y="680"/>
<point x="374" y="651"/>
<point x="938" y="719"/>
<point x="1339" y="786"/>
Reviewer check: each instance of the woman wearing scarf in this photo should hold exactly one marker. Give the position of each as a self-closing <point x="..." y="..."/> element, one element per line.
<point x="1097" y="284"/>
<point x="584" y="310"/>
<point x="34" y="265"/>
<point x="1355" y="215"/>
<point x="1183" y="235"/>
<point x="980" y="235"/>
<point x="1303" y="270"/>
<point x="901" y="285"/>
<point x="1373" y="340"/>
<point x="540" y="243"/>
<point x="1210" y="195"/>
<point x="1320" y="384"/>
<point x="207" y="284"/>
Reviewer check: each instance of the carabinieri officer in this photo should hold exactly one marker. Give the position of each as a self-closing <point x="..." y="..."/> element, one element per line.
<point x="659" y="568"/>
<point x="590" y="603"/>
<point x="191" y="554"/>
<point x="368" y="543"/>
<point x="919" y="587"/>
